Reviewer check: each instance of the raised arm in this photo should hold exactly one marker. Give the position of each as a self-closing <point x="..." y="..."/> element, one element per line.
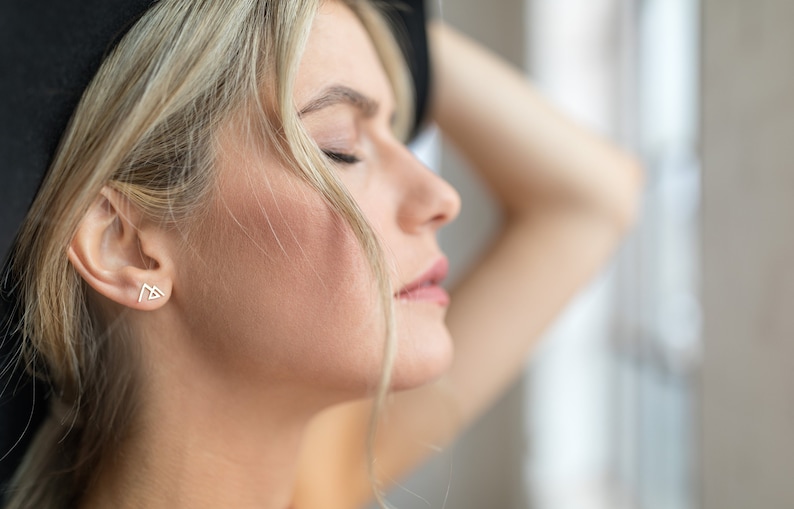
<point x="568" y="197"/>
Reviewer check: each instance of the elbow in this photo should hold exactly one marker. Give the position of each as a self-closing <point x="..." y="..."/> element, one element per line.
<point x="608" y="198"/>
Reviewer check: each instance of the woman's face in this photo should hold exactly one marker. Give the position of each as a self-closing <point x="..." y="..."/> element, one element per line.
<point x="278" y="287"/>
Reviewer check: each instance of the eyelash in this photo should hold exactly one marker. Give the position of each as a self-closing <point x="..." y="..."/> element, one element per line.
<point x="341" y="158"/>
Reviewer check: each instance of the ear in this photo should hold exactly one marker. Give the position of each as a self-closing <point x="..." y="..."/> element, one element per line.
<point x="122" y="256"/>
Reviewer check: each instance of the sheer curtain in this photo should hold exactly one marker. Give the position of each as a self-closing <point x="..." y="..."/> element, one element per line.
<point x="612" y="389"/>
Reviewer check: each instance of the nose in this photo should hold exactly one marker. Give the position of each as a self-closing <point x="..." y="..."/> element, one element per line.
<point x="427" y="201"/>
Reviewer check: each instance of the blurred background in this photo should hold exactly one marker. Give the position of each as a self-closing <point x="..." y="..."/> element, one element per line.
<point x="669" y="382"/>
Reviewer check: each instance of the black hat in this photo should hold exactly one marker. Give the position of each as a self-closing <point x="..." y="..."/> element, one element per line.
<point x="49" y="52"/>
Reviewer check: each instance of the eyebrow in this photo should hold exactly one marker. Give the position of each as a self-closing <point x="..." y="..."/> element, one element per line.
<point x="340" y="94"/>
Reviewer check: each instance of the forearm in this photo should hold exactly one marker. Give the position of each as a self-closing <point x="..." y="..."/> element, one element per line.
<point x="532" y="157"/>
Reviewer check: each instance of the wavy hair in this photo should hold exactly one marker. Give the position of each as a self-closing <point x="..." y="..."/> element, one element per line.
<point x="145" y="126"/>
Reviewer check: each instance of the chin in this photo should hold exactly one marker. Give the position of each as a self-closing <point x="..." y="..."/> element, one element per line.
<point x="424" y="354"/>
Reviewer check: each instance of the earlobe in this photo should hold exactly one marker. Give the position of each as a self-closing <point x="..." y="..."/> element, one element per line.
<point x="120" y="255"/>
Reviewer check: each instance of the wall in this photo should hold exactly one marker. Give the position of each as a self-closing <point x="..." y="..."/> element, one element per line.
<point x="748" y="245"/>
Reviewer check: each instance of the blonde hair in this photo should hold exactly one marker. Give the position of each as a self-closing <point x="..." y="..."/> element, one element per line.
<point x="145" y="127"/>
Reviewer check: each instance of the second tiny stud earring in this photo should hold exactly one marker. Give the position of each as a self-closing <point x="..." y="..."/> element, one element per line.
<point x="154" y="292"/>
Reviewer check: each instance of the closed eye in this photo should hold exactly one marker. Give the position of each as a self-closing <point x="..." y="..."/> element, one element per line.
<point x="340" y="157"/>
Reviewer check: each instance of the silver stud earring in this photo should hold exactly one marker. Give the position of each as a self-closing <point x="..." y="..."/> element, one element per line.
<point x="154" y="292"/>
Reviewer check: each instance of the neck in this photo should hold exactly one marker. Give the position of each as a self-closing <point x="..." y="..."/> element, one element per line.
<point x="208" y="445"/>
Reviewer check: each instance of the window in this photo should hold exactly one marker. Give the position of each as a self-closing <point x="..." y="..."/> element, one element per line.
<point x="612" y="392"/>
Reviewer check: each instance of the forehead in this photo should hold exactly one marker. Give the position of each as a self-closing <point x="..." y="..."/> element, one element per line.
<point x="340" y="52"/>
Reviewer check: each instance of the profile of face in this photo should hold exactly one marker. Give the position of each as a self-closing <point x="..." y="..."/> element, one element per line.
<point x="275" y="287"/>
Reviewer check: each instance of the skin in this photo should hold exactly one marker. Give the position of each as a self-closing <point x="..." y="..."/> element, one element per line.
<point x="275" y="349"/>
<point x="567" y="198"/>
<point x="268" y="315"/>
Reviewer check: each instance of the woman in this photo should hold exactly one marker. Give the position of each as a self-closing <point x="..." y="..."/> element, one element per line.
<point x="233" y="258"/>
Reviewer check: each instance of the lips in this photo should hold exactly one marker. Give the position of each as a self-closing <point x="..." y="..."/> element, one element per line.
<point x="427" y="287"/>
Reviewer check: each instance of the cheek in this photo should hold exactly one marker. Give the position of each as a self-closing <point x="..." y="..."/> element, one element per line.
<point x="291" y="287"/>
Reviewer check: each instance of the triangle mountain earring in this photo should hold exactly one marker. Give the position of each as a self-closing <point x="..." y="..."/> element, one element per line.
<point x="154" y="292"/>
